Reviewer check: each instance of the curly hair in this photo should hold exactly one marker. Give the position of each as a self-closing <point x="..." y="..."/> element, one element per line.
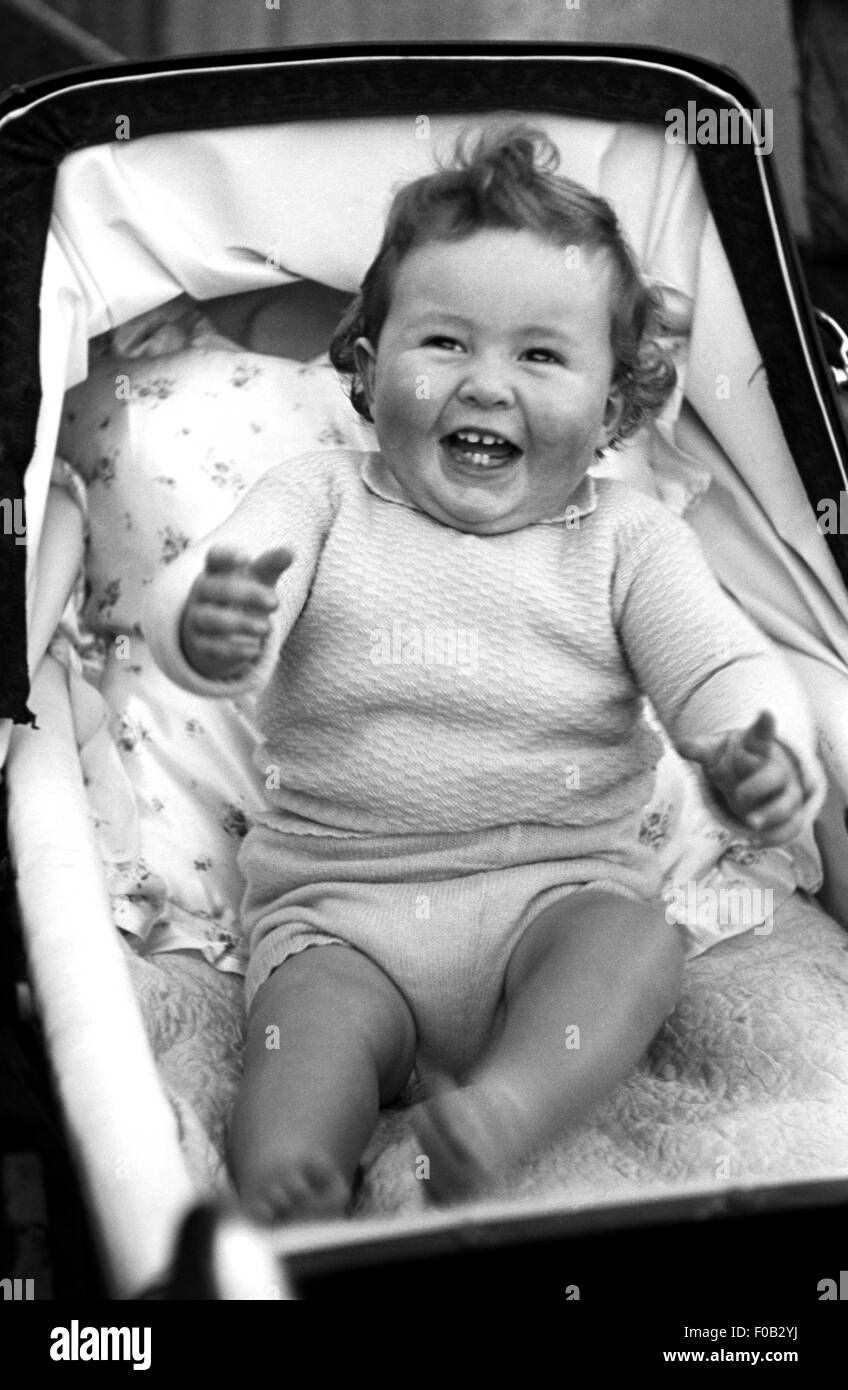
<point x="505" y="177"/>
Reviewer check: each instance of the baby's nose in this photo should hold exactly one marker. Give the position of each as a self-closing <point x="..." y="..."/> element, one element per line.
<point x="487" y="383"/>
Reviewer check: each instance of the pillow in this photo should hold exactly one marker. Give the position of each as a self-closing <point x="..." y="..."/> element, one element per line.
<point x="167" y="445"/>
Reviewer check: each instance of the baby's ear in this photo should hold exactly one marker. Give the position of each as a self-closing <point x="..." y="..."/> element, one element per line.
<point x="613" y="411"/>
<point x="365" y="357"/>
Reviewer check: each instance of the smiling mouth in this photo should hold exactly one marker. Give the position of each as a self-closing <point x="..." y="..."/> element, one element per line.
<point x="480" y="448"/>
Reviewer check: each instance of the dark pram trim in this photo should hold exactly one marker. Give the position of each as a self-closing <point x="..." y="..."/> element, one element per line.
<point x="42" y="123"/>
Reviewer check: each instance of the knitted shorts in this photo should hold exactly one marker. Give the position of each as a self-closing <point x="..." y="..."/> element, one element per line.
<point x="439" y="913"/>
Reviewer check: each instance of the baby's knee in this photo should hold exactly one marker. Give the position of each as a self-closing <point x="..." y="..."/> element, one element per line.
<point x="334" y="997"/>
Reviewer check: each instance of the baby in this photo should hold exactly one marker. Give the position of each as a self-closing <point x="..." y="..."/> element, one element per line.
<point x="451" y="640"/>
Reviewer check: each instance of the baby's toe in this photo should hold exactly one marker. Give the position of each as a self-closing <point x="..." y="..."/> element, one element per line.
<point x="325" y="1189"/>
<point x="304" y="1189"/>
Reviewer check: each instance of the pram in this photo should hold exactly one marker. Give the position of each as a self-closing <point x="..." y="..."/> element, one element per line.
<point x="126" y="188"/>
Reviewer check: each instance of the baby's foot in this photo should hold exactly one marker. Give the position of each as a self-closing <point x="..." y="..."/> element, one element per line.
<point x="308" y="1188"/>
<point x="469" y="1137"/>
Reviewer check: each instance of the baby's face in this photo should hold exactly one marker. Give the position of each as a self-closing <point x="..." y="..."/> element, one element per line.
<point x="490" y="387"/>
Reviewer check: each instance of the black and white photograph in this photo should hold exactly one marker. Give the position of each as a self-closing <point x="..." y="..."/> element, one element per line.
<point x="424" y="676"/>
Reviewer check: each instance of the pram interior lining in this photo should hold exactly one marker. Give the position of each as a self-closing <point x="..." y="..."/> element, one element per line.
<point x="133" y="226"/>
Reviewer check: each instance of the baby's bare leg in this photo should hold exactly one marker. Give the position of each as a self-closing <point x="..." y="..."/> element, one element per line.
<point x="587" y="988"/>
<point x="329" y="1039"/>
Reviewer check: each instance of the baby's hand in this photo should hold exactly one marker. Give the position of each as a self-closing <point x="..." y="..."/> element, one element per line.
<point x="757" y="777"/>
<point x="225" y="622"/>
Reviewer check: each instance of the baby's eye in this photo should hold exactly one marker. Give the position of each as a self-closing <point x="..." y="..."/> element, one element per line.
<point x="443" y="340"/>
<point x="543" y="355"/>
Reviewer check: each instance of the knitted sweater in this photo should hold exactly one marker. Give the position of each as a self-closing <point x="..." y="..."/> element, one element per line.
<point x="422" y="679"/>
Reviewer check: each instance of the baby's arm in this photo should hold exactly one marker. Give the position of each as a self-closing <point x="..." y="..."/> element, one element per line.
<point x="721" y="689"/>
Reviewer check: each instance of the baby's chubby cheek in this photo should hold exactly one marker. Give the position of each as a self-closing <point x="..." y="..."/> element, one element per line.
<point x="406" y="429"/>
<point x="407" y="403"/>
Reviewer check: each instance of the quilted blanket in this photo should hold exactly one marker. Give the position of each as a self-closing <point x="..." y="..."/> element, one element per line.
<point x="747" y="1082"/>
